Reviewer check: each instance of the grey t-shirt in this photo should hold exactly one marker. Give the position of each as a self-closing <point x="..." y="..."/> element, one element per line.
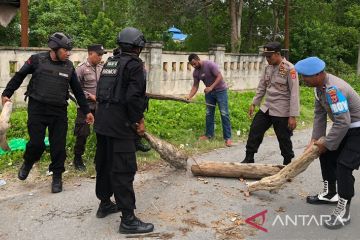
<point x="207" y="73"/>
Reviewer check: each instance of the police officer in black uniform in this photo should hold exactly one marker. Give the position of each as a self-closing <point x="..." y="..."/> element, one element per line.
<point x="52" y="74"/>
<point x="119" y="119"/>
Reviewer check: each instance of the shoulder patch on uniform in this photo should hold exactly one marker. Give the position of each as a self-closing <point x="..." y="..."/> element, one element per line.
<point x="293" y="74"/>
<point x="336" y="100"/>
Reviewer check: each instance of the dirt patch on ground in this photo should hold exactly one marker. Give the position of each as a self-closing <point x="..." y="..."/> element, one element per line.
<point x="193" y="222"/>
<point x="232" y="227"/>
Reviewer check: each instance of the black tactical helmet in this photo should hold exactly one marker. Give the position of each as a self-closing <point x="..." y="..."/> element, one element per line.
<point x="60" y="40"/>
<point x="131" y="36"/>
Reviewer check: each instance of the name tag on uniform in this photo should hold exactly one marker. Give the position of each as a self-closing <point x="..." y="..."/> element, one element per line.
<point x="337" y="101"/>
<point x="63" y="74"/>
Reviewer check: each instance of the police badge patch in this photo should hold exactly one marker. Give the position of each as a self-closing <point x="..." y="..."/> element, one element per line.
<point x="337" y="101"/>
<point x="293" y="74"/>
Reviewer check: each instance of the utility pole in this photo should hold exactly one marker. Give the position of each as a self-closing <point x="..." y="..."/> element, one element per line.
<point x="287" y="34"/>
<point x="24" y="15"/>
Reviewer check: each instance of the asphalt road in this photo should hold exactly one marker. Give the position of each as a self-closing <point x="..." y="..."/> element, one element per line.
<point x="180" y="205"/>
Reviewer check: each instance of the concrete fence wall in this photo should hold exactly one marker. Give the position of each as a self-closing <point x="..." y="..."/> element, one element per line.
<point x="168" y="72"/>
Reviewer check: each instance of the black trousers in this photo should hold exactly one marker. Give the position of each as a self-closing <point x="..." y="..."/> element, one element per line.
<point x="337" y="166"/>
<point x="82" y="132"/>
<point x="57" y="127"/>
<point x="115" y="163"/>
<point x="260" y="124"/>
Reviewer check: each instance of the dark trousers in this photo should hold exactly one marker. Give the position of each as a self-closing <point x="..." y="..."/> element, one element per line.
<point x="260" y="124"/>
<point x="82" y="132"/>
<point x="337" y="166"/>
<point x="57" y="127"/>
<point x="115" y="171"/>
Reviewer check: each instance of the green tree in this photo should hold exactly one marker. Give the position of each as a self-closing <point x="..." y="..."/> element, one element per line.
<point x="47" y="17"/>
<point x="103" y="31"/>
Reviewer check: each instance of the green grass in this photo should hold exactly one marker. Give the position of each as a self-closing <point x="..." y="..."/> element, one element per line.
<point x="178" y="123"/>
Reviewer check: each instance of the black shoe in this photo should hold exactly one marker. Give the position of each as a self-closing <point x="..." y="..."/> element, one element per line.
<point x="106" y="208"/>
<point x="249" y="158"/>
<point x="23" y="172"/>
<point x="56" y="185"/>
<point x="79" y="164"/>
<point x="328" y="196"/>
<point x="287" y="161"/>
<point x="141" y="146"/>
<point x="319" y="199"/>
<point x="340" y="217"/>
<point x="132" y="225"/>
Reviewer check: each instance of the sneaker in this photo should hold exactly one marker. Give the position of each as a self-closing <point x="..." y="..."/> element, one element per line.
<point x="228" y="143"/>
<point x="204" y="137"/>
<point x="132" y="225"/>
<point x="106" y="208"/>
<point x="340" y="217"/>
<point x="325" y="197"/>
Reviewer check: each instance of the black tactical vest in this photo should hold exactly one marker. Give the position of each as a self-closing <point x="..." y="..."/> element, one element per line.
<point x="50" y="81"/>
<point x="108" y="88"/>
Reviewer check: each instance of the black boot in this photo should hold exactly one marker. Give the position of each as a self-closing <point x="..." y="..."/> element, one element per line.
<point x="287" y="160"/>
<point x="106" y="208"/>
<point x="249" y="158"/>
<point x="24" y="172"/>
<point x="341" y="215"/>
<point x="328" y="196"/>
<point x="130" y="224"/>
<point x="141" y="146"/>
<point x="56" y="185"/>
<point x="79" y="164"/>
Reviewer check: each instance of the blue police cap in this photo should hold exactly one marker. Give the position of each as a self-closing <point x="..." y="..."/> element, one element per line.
<point x="310" y="66"/>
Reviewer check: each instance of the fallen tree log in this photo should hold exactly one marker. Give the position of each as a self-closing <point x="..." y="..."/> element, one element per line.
<point x="167" y="151"/>
<point x="290" y="171"/>
<point x="4" y="124"/>
<point x="167" y="97"/>
<point x="235" y="170"/>
<point x="174" y="98"/>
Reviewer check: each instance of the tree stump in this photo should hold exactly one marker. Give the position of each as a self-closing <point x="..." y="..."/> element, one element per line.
<point x="290" y="171"/>
<point x="4" y="124"/>
<point x="235" y="170"/>
<point x="167" y="151"/>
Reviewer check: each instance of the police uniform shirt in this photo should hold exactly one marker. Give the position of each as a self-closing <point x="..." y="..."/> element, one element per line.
<point x="341" y="103"/>
<point x="280" y="86"/>
<point x="88" y="76"/>
<point x="36" y="107"/>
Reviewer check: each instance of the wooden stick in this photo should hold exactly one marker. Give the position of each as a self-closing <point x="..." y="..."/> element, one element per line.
<point x="290" y="171"/>
<point x="173" y="98"/>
